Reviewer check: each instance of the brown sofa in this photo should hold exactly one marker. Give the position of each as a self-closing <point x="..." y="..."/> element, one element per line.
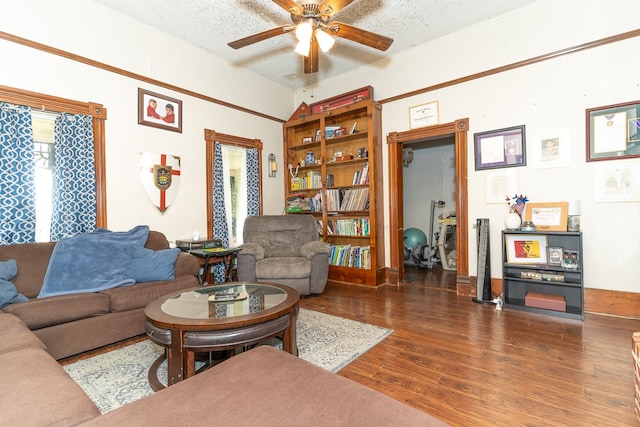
<point x="259" y="387"/>
<point x="75" y="323"/>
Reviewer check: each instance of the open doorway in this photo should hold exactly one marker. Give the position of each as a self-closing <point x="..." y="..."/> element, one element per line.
<point x="429" y="200"/>
<point x="457" y="131"/>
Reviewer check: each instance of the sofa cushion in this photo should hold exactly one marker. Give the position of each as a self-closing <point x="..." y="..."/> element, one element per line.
<point x="32" y="260"/>
<point x="141" y="294"/>
<point x="37" y="391"/>
<point x="92" y="262"/>
<point x="16" y="335"/>
<point x="8" y="269"/>
<point x="149" y="266"/>
<point x="43" y="312"/>
<point x="156" y="241"/>
<point x="283" y="268"/>
<point x="267" y="387"/>
<point x="8" y="292"/>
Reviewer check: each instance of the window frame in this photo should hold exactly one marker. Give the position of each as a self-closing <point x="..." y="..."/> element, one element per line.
<point x="62" y="105"/>
<point x="210" y="137"/>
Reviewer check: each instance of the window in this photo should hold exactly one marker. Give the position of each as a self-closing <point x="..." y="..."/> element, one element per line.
<point x="234" y="160"/>
<point x="45" y="109"/>
<point x="43" y="141"/>
<point x="239" y="185"/>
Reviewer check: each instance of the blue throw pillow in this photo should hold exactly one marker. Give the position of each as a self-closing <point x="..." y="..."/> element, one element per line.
<point x="8" y="292"/>
<point x="151" y="266"/>
<point x="8" y="269"/>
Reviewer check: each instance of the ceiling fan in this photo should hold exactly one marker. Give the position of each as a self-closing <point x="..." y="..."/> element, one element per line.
<point x="314" y="29"/>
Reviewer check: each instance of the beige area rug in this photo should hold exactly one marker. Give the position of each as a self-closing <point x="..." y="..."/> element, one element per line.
<point x="119" y="377"/>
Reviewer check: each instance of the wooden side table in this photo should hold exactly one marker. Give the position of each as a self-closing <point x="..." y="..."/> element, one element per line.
<point x="209" y="257"/>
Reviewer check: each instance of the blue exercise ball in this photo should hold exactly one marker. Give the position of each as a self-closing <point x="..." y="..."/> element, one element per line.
<point x="413" y="236"/>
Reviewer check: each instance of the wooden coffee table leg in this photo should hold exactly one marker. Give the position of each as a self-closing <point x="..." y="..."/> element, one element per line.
<point x="175" y="354"/>
<point x="289" y="341"/>
<point x="188" y="363"/>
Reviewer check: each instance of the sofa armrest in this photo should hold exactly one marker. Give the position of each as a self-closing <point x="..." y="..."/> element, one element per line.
<point x="310" y="249"/>
<point x="186" y="265"/>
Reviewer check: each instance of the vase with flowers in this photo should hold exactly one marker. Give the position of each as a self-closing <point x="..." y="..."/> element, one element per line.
<point x="517" y="204"/>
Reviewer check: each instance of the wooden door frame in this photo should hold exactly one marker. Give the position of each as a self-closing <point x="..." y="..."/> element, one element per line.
<point x="395" y="141"/>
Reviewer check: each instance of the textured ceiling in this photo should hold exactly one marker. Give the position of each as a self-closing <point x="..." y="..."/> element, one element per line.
<point x="211" y="24"/>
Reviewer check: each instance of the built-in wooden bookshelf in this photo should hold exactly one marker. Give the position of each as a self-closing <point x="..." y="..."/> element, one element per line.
<point x="335" y="174"/>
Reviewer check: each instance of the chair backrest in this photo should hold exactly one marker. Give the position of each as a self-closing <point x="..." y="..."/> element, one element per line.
<point x="280" y="235"/>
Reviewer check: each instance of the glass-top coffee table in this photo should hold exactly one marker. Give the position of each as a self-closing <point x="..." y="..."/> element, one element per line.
<point x="214" y="318"/>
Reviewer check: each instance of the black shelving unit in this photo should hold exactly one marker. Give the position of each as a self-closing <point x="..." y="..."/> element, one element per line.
<point x="520" y="279"/>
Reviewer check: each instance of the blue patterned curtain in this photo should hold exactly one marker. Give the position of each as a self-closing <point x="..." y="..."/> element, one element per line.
<point x="253" y="183"/>
<point x="220" y="229"/>
<point x="17" y="176"/>
<point x="74" y="187"/>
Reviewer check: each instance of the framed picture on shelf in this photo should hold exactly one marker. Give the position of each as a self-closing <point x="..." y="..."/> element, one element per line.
<point x="307" y="140"/>
<point x="554" y="255"/>
<point x="501" y="148"/>
<point x="340" y="132"/>
<point x="548" y="216"/>
<point x="570" y="260"/>
<point x="613" y="131"/>
<point x="318" y="135"/>
<point x="526" y="249"/>
<point x="330" y="131"/>
<point x="159" y="111"/>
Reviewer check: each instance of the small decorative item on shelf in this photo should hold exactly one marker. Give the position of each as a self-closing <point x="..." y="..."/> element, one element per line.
<point x="570" y="260"/>
<point x="512" y="221"/>
<point x="310" y="159"/>
<point x="528" y="226"/>
<point x="516" y="207"/>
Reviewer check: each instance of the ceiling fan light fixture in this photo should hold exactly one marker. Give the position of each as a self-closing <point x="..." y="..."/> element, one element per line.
<point x="304" y="31"/>
<point x="325" y="41"/>
<point x="303" y="48"/>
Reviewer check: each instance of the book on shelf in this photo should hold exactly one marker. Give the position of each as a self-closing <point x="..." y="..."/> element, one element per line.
<point x="355" y="199"/>
<point x="352" y="227"/>
<point x="350" y="256"/>
<point x="361" y="176"/>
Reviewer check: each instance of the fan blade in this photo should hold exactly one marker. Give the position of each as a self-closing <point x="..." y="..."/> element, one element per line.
<point x="290" y="6"/>
<point x="310" y="64"/>
<point x="359" y="35"/>
<point x="335" y="5"/>
<point x="258" y="37"/>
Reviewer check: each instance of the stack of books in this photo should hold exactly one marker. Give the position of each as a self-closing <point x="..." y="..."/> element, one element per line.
<point x="350" y="256"/>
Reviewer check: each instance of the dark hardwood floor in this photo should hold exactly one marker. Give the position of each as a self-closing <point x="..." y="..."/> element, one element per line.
<point x="472" y="365"/>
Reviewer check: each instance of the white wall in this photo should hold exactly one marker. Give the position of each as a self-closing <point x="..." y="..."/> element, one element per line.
<point x="85" y="29"/>
<point x="544" y="97"/>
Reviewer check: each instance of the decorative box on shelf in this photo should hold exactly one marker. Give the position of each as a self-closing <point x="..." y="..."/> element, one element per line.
<point x="547" y="301"/>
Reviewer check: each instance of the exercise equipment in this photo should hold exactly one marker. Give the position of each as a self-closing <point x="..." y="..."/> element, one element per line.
<point x="447" y="247"/>
<point x="423" y="253"/>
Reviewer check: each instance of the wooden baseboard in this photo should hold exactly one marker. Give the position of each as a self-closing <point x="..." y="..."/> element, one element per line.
<point x="600" y="301"/>
<point x="617" y="303"/>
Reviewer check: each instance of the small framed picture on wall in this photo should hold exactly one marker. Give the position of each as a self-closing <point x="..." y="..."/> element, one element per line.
<point x="159" y="111"/>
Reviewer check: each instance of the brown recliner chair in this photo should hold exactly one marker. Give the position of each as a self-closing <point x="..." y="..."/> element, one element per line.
<point x="284" y="250"/>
